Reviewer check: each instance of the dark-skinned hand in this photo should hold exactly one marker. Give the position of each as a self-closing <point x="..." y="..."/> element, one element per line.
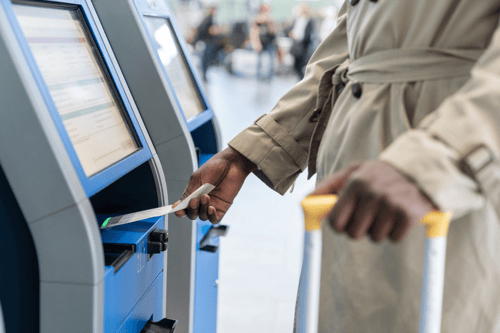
<point x="375" y="199"/>
<point x="227" y="171"/>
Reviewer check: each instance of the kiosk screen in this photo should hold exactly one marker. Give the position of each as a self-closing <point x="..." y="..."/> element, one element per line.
<point x="80" y="86"/>
<point x="176" y="66"/>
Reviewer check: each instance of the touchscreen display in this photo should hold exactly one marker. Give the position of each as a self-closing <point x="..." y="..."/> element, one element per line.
<point x="82" y="91"/>
<point x="176" y="66"/>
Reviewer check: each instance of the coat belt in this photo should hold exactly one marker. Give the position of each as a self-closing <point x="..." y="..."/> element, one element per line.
<point x="390" y="66"/>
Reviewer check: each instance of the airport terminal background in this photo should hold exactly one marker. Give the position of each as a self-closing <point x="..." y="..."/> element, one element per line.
<point x="260" y="258"/>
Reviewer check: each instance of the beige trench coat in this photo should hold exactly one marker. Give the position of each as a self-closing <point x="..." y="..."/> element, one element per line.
<point x="416" y="84"/>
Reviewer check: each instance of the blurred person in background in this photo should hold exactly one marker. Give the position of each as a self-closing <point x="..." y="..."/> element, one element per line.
<point x="262" y="38"/>
<point x="202" y="32"/>
<point x="301" y="33"/>
<point x="214" y="49"/>
<point x="239" y="35"/>
<point x="211" y="35"/>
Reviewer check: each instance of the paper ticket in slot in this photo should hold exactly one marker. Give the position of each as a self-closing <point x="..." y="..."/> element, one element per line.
<point x="155" y="212"/>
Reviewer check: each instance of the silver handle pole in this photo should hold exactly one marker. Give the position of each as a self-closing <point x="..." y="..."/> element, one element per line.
<point x="308" y="304"/>
<point x="431" y="302"/>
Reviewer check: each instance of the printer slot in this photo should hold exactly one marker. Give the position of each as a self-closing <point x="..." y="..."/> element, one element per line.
<point x="116" y="255"/>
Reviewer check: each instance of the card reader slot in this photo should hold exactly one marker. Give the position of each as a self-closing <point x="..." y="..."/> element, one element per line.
<point x="116" y="255"/>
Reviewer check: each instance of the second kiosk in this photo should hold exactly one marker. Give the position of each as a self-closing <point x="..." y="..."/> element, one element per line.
<point x="144" y="37"/>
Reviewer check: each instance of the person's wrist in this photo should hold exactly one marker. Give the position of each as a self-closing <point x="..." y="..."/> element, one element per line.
<point x="240" y="160"/>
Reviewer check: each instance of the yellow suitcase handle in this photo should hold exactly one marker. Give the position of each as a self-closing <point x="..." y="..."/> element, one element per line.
<point x="316" y="207"/>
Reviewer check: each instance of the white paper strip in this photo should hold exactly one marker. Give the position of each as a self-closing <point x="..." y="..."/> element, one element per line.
<point x="145" y="214"/>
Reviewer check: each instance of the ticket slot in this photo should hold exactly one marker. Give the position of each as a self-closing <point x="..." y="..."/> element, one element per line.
<point x="116" y="255"/>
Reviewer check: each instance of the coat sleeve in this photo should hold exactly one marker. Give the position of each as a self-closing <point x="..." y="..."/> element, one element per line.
<point x="278" y="142"/>
<point x="432" y="154"/>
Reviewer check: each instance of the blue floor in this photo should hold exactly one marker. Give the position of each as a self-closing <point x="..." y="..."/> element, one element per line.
<point x="261" y="256"/>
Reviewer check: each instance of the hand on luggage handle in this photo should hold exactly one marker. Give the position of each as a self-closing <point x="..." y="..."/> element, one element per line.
<point x="316" y="207"/>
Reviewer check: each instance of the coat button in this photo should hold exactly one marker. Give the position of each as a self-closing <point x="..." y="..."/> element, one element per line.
<point x="353" y="2"/>
<point x="357" y="90"/>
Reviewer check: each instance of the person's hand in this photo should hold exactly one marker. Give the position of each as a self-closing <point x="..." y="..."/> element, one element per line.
<point x="227" y="171"/>
<point x="375" y="199"/>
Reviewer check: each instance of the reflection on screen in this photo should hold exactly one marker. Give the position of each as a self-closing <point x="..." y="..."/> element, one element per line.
<point x="93" y="118"/>
<point x="175" y="64"/>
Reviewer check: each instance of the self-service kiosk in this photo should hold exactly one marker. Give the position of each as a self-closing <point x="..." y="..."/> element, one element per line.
<point x="74" y="151"/>
<point x="152" y="57"/>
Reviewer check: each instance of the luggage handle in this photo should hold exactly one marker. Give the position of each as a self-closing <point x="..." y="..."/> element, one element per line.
<point x="315" y="209"/>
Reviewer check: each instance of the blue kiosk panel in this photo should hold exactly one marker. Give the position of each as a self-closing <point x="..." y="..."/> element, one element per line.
<point x="140" y="276"/>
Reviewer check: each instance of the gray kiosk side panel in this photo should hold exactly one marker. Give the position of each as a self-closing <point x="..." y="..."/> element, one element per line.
<point x="84" y="300"/>
<point x="177" y="161"/>
<point x="71" y="270"/>
<point x="181" y="273"/>
<point x="68" y="247"/>
<point x="181" y="257"/>
<point x="181" y="260"/>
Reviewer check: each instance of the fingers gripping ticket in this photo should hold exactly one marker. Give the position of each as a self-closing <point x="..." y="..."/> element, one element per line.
<point x="137" y="216"/>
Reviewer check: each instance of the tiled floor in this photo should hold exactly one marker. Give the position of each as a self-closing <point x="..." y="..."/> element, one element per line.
<point x="260" y="258"/>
